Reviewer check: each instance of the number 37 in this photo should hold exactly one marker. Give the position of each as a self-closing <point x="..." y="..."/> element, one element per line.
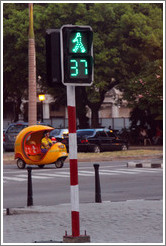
<point x="78" y="67"/>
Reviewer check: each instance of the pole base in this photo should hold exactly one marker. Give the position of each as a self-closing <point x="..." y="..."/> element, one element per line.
<point x="79" y="239"/>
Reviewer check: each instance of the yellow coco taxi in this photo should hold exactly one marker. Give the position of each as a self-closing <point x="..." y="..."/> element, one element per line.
<point x="28" y="148"/>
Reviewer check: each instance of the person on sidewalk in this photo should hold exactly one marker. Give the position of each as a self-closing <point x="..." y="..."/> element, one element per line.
<point x="158" y="136"/>
<point x="46" y="142"/>
<point x="144" y="137"/>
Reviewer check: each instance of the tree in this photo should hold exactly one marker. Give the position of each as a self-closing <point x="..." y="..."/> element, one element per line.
<point x="127" y="48"/>
<point x="15" y="60"/>
<point x="142" y="35"/>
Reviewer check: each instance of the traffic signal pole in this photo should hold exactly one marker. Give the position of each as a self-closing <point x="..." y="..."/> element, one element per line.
<point x="74" y="188"/>
<point x="76" y="70"/>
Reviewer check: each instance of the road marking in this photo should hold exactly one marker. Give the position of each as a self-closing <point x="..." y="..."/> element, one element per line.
<point x="33" y="176"/>
<point x="127" y="170"/>
<point x="14" y="179"/>
<point x="65" y="174"/>
<point x="114" y="172"/>
<point x="111" y="173"/>
<point x="150" y="170"/>
<point x="46" y="176"/>
<point x="85" y="173"/>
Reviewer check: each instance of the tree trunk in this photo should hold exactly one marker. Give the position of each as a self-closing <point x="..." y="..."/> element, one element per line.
<point x="32" y="107"/>
<point x="81" y="107"/>
<point x="95" y="106"/>
<point x="95" y="116"/>
<point x="83" y="120"/>
<point x="17" y="109"/>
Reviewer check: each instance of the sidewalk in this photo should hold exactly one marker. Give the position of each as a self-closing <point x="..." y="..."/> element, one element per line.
<point x="137" y="221"/>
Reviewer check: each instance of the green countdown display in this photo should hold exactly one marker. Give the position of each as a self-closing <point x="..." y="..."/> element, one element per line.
<point x="79" y="68"/>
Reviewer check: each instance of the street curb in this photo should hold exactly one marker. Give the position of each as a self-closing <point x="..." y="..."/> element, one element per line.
<point x="144" y="164"/>
<point x="32" y="209"/>
<point x="52" y="209"/>
<point x="99" y="159"/>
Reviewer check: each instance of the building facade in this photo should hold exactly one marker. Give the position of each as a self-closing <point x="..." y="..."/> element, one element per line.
<point x="113" y="113"/>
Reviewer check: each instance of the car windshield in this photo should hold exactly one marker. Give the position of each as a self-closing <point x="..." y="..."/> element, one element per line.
<point x="85" y="133"/>
<point x="55" y="132"/>
<point x="15" y="128"/>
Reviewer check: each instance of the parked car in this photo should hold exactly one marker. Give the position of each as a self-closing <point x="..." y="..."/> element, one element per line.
<point x="58" y="135"/>
<point x="9" y="135"/>
<point x="98" y="140"/>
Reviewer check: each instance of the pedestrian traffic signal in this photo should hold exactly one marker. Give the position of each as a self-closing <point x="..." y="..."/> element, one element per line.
<point x="53" y="62"/>
<point x="76" y="55"/>
<point x="78" y="42"/>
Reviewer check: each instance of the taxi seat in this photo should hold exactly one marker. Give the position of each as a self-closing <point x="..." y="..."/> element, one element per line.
<point x="33" y="149"/>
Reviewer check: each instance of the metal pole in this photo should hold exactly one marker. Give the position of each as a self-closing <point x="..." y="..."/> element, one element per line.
<point x="41" y="111"/>
<point x="30" y="196"/>
<point x="74" y="187"/>
<point x="97" y="184"/>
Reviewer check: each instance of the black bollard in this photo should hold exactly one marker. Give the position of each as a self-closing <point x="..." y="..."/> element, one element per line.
<point x="7" y="211"/>
<point x="30" y="196"/>
<point x="97" y="184"/>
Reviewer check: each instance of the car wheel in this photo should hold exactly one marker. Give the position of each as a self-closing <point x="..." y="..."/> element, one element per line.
<point x="96" y="149"/>
<point x="41" y="166"/>
<point x="124" y="147"/>
<point x="59" y="163"/>
<point x="20" y="164"/>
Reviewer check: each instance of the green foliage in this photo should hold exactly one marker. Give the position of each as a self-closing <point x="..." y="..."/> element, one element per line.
<point x="15" y="51"/>
<point x="128" y="48"/>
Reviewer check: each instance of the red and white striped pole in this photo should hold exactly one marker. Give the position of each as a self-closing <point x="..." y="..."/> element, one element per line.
<point x="74" y="188"/>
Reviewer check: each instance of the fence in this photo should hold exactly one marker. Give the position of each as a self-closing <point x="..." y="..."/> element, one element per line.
<point x="114" y="123"/>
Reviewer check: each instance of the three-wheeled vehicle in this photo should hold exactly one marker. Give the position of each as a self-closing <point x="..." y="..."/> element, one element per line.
<point x="28" y="148"/>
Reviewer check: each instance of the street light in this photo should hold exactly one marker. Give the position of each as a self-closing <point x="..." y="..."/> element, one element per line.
<point x="41" y="99"/>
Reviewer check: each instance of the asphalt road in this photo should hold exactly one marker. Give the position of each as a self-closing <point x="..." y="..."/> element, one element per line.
<point x="52" y="186"/>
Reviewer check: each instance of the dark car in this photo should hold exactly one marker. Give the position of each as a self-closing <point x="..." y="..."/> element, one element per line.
<point x="9" y="135"/>
<point x="97" y="140"/>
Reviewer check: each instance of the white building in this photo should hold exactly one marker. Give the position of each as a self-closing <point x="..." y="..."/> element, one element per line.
<point x="113" y="112"/>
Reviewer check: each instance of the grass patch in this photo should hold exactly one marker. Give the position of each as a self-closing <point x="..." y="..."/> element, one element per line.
<point x="105" y="155"/>
<point x="120" y="153"/>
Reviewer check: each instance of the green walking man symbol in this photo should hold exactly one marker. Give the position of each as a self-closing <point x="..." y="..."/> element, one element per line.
<point x="79" y="45"/>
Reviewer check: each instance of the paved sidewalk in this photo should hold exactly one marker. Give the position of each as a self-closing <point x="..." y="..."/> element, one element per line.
<point x="133" y="221"/>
